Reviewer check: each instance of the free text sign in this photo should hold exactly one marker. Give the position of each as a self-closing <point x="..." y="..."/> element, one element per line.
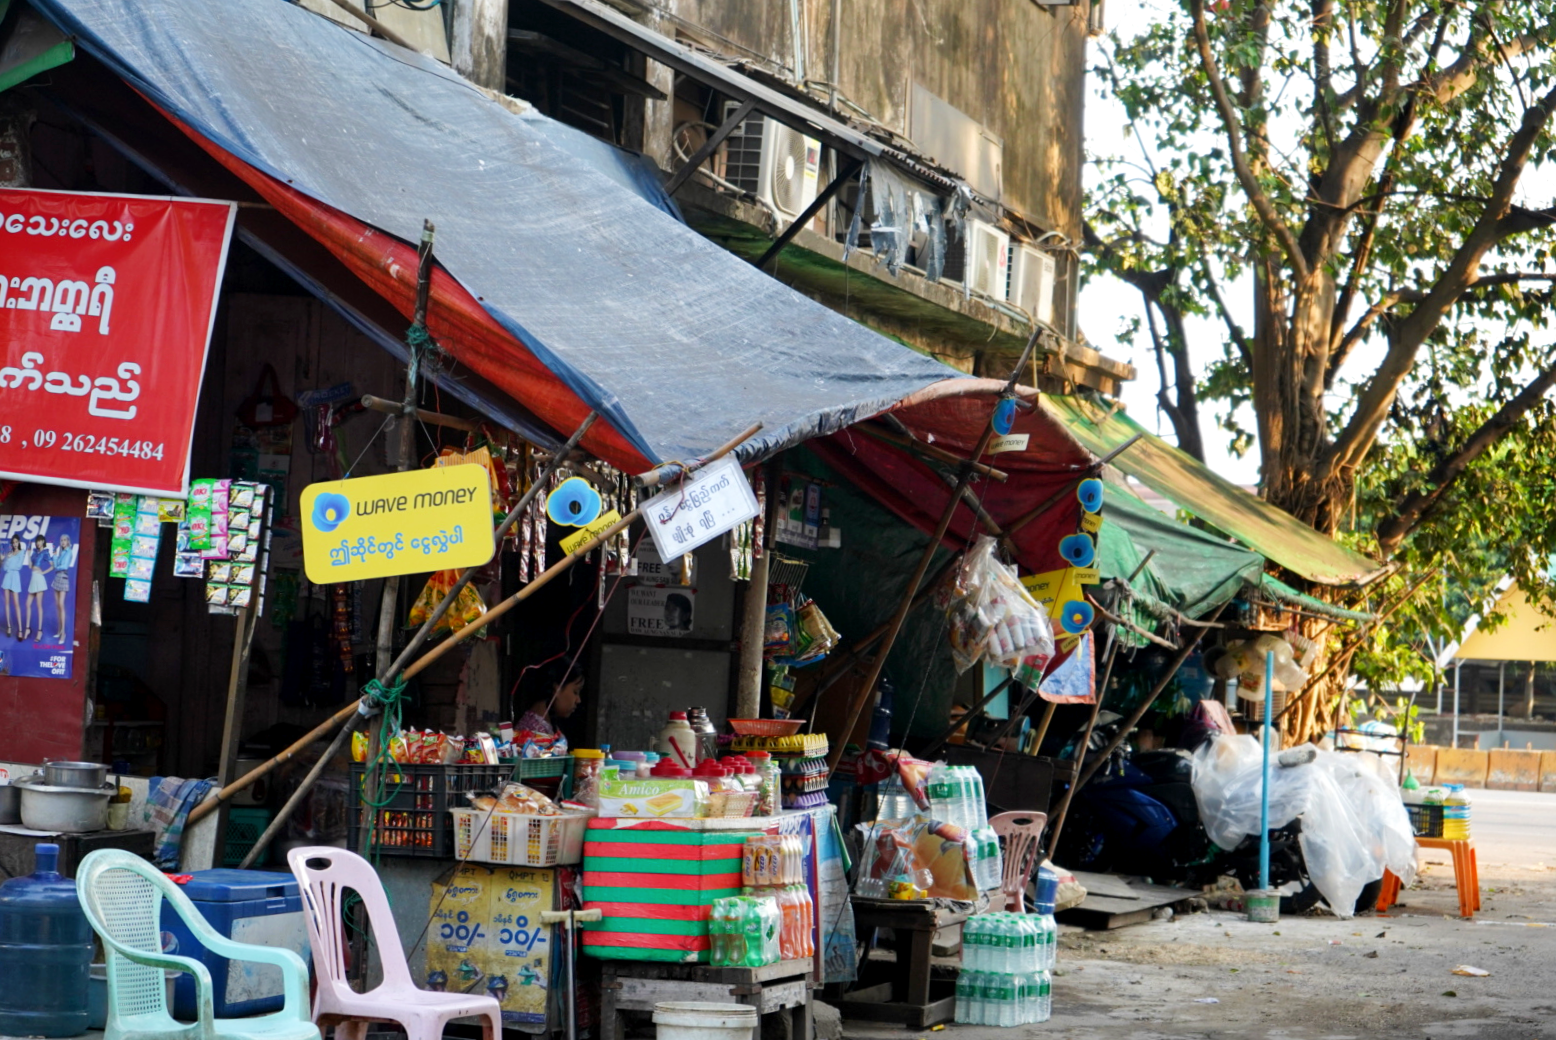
<point x="106" y="307"/>
<point x="398" y="523"/>
<point x="714" y="500"/>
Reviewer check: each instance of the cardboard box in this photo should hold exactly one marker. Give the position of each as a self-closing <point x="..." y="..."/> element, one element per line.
<point x="486" y="937"/>
<point x="653" y="799"/>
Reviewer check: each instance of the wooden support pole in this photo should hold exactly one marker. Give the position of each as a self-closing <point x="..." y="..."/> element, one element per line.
<point x="1057" y="826"/>
<point x="966" y="720"/>
<point x="262" y="770"/>
<point x="1189" y="646"/>
<point x="929" y="451"/>
<point x="379" y="404"/>
<point x="753" y="625"/>
<point x="373" y="23"/>
<point x="910" y="593"/>
<point x="298" y="795"/>
<point x="417" y="640"/>
<point x="388" y="606"/>
<point x="545" y="577"/>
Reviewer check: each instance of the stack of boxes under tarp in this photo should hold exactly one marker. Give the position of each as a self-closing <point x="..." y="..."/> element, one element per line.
<point x="655" y="882"/>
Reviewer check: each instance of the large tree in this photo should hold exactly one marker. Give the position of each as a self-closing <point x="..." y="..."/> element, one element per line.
<point x="1377" y="175"/>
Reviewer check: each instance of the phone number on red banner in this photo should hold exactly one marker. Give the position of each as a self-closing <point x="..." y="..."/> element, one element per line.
<point x="83" y="442"/>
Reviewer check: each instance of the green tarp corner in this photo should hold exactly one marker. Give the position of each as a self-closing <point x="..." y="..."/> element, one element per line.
<point x="1192" y="572"/>
<point x="1192" y="486"/>
<point x="30" y="46"/>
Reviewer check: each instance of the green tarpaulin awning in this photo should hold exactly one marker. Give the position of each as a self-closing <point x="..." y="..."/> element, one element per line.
<point x="1192" y="572"/>
<point x="1194" y="487"/>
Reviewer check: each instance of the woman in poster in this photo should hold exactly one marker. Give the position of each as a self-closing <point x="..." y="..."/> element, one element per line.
<point x="64" y="564"/>
<point x="42" y="563"/>
<point x="11" y="582"/>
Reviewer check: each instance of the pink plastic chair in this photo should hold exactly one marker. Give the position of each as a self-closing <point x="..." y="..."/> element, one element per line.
<point x="325" y="875"/>
<point x="1021" y="832"/>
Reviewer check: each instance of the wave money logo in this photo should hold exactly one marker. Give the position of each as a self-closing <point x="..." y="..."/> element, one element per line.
<point x="329" y="510"/>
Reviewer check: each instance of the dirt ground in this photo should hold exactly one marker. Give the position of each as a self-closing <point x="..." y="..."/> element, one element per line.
<point x="1215" y="975"/>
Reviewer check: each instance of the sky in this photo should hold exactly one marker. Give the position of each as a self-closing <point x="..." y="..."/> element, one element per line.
<point x="1107" y="304"/>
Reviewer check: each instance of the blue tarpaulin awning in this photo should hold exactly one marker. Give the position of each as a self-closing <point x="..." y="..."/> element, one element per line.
<point x="572" y="284"/>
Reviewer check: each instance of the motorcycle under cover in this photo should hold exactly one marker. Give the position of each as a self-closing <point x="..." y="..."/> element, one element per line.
<point x="1354" y="824"/>
<point x="552" y="239"/>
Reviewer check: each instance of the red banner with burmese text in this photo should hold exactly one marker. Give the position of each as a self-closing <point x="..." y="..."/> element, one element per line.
<point x="106" y="307"/>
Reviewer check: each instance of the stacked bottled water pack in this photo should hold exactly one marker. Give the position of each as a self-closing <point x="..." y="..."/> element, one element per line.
<point x="1007" y="966"/>
<point x="956" y="796"/>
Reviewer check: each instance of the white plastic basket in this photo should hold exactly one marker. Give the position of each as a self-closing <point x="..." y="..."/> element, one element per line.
<point x="517" y="840"/>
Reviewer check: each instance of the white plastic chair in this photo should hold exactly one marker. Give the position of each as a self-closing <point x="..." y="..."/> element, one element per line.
<point x="1022" y="834"/>
<point x="122" y="895"/>
<point x="326" y="875"/>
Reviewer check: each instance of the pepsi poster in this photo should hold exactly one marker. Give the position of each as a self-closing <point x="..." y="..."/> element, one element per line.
<point x="39" y="579"/>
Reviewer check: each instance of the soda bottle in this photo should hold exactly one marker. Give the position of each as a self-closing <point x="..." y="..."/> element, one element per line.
<point x="807" y="923"/>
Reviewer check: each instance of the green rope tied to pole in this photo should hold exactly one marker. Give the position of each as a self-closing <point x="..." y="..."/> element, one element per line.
<point x="390" y="699"/>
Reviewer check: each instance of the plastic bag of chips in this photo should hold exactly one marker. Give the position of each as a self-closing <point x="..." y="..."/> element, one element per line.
<point x="467" y="606"/>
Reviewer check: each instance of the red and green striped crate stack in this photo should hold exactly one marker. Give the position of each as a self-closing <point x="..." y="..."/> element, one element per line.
<point x="654" y="883"/>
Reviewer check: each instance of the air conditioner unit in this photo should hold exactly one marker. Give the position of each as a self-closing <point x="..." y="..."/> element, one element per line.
<point x="1033" y="273"/>
<point x="988" y="260"/>
<point x="778" y="165"/>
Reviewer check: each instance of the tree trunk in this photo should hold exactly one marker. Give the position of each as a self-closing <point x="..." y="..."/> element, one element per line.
<point x="1529" y="692"/>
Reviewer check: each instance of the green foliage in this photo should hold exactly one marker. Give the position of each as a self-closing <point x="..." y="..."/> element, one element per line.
<point x="1175" y="207"/>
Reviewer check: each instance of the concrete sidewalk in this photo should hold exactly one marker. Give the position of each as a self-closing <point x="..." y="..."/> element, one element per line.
<point x="1322" y="978"/>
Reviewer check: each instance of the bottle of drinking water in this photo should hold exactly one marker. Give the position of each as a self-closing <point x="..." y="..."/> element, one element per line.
<point x="980" y="812"/>
<point x="1045" y="996"/>
<point x="966" y="996"/>
<point x="972" y="942"/>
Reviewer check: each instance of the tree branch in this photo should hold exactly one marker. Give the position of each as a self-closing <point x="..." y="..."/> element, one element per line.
<point x="1234" y="132"/>
<point x="1234" y="330"/>
<point x="1415" y="505"/>
<point x="1356" y="439"/>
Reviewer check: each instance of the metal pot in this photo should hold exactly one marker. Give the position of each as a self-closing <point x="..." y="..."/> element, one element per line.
<point x="64" y="810"/>
<point x="10" y="803"/>
<point x="74" y="774"/>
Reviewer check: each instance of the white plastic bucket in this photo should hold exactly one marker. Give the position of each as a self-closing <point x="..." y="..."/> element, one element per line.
<point x="699" y="1020"/>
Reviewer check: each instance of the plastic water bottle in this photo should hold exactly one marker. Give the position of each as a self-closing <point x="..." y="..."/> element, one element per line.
<point x="980" y="812"/>
<point x="45" y="952"/>
<point x="1045" y="996"/>
<point x="966" y="987"/>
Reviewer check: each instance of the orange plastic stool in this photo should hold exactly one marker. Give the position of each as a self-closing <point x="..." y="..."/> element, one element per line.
<point x="1466" y="874"/>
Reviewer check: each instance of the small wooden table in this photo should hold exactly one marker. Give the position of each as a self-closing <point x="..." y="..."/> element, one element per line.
<point x="910" y="1000"/>
<point x="783" y="989"/>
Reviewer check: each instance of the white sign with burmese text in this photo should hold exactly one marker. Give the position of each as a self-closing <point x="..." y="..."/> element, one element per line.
<point x="694" y="512"/>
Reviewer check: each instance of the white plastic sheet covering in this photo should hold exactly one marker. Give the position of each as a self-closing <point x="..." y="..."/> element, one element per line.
<point x="1354" y="825"/>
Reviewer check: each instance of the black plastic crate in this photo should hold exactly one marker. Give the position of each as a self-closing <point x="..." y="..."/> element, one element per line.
<point x="416" y="820"/>
<point x="1427" y="820"/>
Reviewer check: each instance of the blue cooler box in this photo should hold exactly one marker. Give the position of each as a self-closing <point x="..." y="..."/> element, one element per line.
<point x="258" y="907"/>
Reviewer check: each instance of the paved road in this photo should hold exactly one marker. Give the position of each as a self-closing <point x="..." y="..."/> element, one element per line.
<point x="1512" y="829"/>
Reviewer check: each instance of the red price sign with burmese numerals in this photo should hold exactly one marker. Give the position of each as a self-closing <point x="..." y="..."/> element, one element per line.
<point x="106" y="307"/>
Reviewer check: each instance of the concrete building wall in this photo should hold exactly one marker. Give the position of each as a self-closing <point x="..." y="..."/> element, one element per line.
<point x="1015" y="67"/>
